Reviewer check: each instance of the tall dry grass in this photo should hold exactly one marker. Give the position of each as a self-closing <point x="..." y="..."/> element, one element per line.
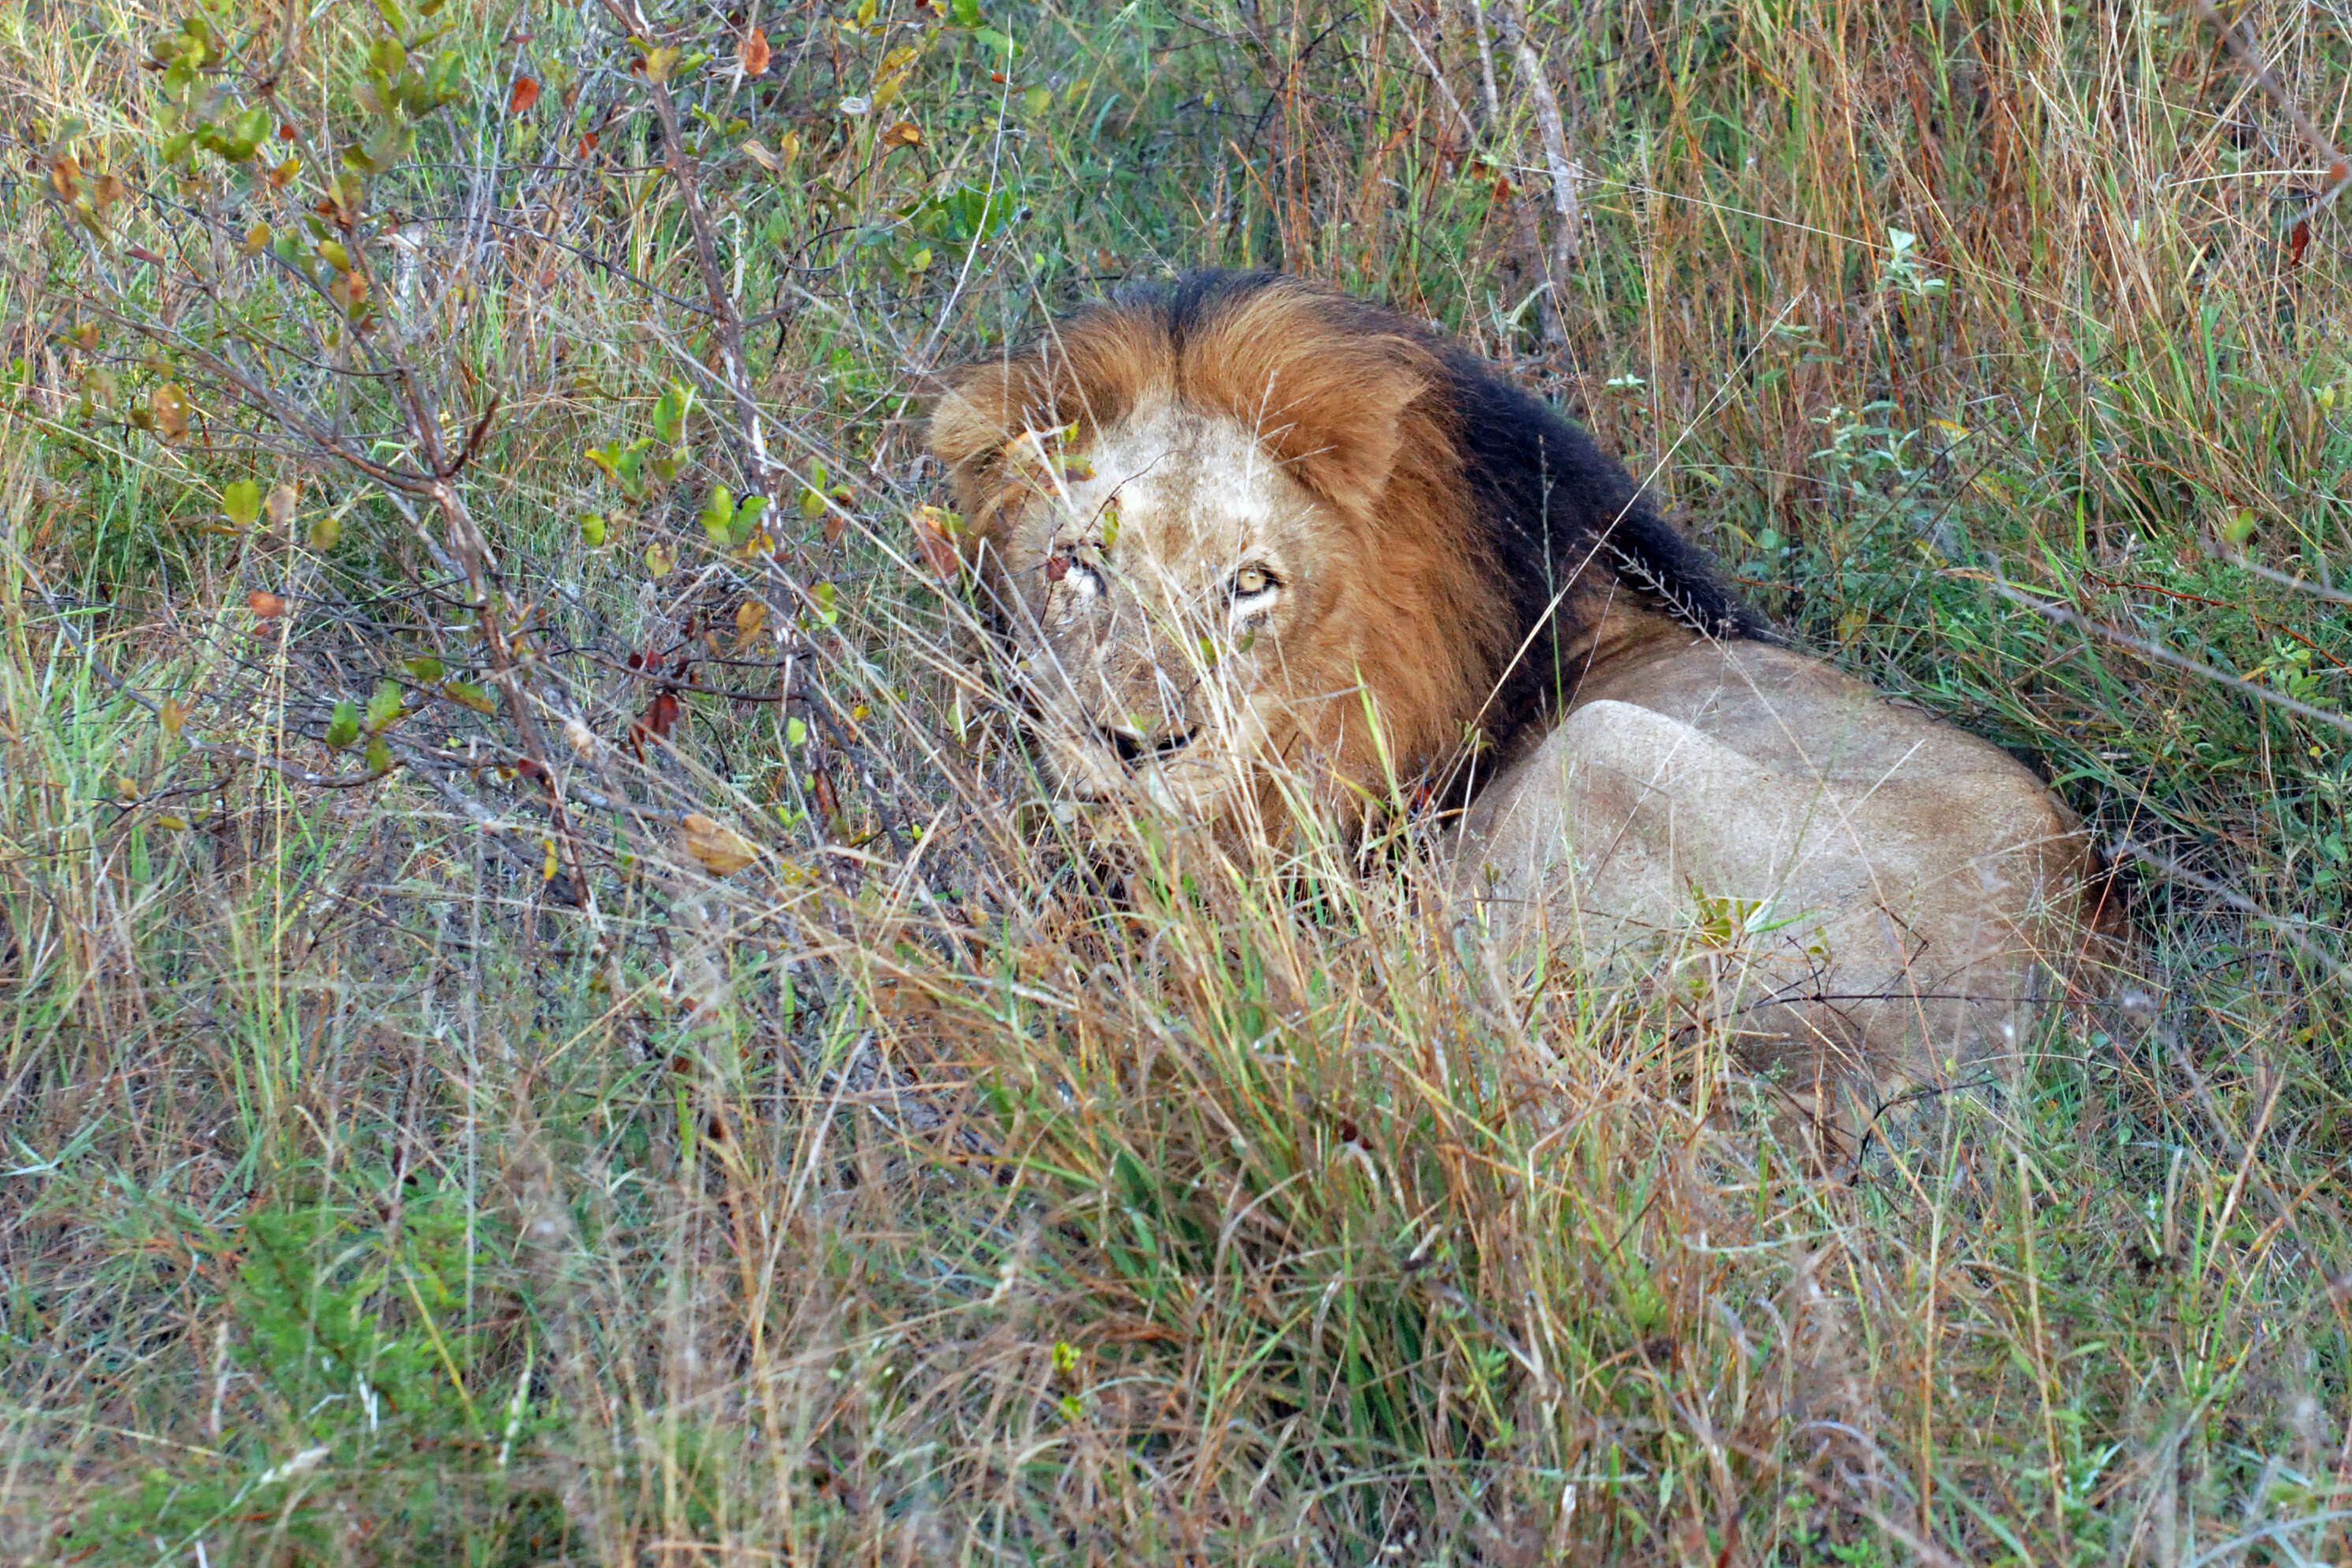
<point x="859" y="1180"/>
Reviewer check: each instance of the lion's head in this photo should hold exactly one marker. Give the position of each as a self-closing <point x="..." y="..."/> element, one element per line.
<point x="1229" y="531"/>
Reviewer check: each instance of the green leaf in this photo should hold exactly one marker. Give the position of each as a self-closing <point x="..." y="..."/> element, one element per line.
<point x="827" y="610"/>
<point x="669" y="413"/>
<point x="446" y="79"/>
<point x="747" y="519"/>
<point x="344" y="727"/>
<point x="242" y="502"/>
<point x="795" y="732"/>
<point x="963" y="14"/>
<point x="425" y="667"/>
<point x="384" y="708"/>
<point x="718" y="515"/>
<point x="592" y="530"/>
<point x="965" y="216"/>
<point x="469" y="695"/>
<point x="388" y="146"/>
<point x="379" y="756"/>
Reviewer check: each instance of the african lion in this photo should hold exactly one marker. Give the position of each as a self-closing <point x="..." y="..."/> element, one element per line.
<point x="1246" y="531"/>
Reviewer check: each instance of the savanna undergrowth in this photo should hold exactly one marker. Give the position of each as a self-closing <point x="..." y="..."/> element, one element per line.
<point x="550" y="1017"/>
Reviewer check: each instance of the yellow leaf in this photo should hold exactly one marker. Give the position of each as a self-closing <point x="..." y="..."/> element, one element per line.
<point x="174" y="717"/>
<point x="468" y="695"/>
<point x="749" y="621"/>
<point x="896" y="67"/>
<point x="659" y="558"/>
<point x="170" y="406"/>
<point x="547" y="871"/>
<point x="717" y="848"/>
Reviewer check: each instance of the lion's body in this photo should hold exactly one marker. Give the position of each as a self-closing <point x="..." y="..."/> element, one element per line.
<point x="1250" y="536"/>
<point x="1862" y="892"/>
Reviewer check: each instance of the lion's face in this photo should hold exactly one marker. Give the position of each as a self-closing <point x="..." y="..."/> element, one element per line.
<point x="1248" y="550"/>
<point x="1165" y="597"/>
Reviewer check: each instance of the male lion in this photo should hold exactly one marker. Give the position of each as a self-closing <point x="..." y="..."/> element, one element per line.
<point x="1244" y="532"/>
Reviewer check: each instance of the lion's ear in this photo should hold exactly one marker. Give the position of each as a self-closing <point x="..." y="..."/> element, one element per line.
<point x="974" y="415"/>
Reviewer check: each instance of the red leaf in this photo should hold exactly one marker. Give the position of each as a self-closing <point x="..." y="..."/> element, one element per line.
<point x="2298" y="240"/>
<point x="286" y="133"/>
<point x="828" y="801"/>
<point x="755" y="53"/>
<point x="938" y="553"/>
<point x="654" y="725"/>
<point x="266" y="605"/>
<point x="140" y="253"/>
<point x="523" y="95"/>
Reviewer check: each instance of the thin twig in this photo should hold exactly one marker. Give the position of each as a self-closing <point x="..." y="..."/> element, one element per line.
<point x="686" y="170"/>
<point x="1566" y="213"/>
<point x="2157" y="651"/>
<point x="2292" y="930"/>
<point x="2339" y="171"/>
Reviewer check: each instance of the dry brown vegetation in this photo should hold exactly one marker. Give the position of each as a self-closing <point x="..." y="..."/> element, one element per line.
<point x="549" y="1019"/>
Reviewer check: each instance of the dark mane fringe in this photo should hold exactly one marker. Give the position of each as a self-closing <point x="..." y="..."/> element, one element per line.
<point x="1555" y="508"/>
<point x="1408" y="435"/>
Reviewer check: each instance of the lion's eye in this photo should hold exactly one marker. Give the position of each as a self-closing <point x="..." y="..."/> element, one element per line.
<point x="1251" y="581"/>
